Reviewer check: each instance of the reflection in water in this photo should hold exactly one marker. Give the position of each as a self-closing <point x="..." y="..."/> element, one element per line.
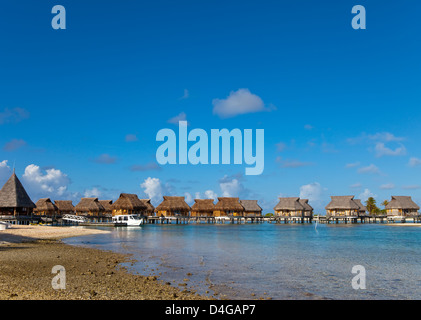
<point x="277" y="261"/>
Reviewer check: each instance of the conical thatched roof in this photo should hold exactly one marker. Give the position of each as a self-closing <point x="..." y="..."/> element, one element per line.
<point x="250" y="205"/>
<point x="229" y="204"/>
<point x="106" y="204"/>
<point x="148" y="204"/>
<point x="203" y="205"/>
<point x="13" y="194"/>
<point x="128" y="201"/>
<point x="64" y="205"/>
<point x="173" y="203"/>
<point x="45" y="204"/>
<point x="304" y="203"/>
<point x="402" y="202"/>
<point x="289" y="203"/>
<point x="342" y="203"/>
<point x="89" y="204"/>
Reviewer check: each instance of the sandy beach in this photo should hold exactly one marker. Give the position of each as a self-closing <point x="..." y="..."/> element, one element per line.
<point x="28" y="254"/>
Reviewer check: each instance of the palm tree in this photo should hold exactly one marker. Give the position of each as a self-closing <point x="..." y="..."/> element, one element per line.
<point x="371" y="205"/>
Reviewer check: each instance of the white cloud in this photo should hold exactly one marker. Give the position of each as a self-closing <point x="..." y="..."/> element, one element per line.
<point x="209" y="194"/>
<point x="366" y="194"/>
<point x="153" y="188"/>
<point x="411" y="187"/>
<point x="377" y="137"/>
<point x="13" y="115"/>
<point x="414" y="162"/>
<point x="92" y="193"/>
<point x="369" y="169"/>
<point x="382" y="150"/>
<point x="180" y="117"/>
<point x="387" y="186"/>
<point x="314" y="193"/>
<point x="188" y="198"/>
<point x="105" y="159"/>
<point x="230" y="186"/>
<point x="185" y="95"/>
<point x="5" y="171"/>
<point x="49" y="183"/>
<point x="352" y="165"/>
<point x="238" y="102"/>
<point x="356" y="185"/>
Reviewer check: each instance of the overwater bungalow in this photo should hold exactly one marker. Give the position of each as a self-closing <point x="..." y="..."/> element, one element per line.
<point x="308" y="210"/>
<point x="202" y="208"/>
<point x="64" y="207"/>
<point x="251" y="208"/>
<point x="45" y="207"/>
<point x="363" y="210"/>
<point x="89" y="207"/>
<point x="150" y="209"/>
<point x="289" y="207"/>
<point x="342" y="206"/>
<point x="173" y="207"/>
<point x="128" y="204"/>
<point x="228" y="206"/>
<point x="402" y="206"/>
<point x="107" y="207"/>
<point x="14" y="201"/>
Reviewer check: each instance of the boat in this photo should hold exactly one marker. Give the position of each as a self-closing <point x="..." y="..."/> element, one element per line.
<point x="127" y="220"/>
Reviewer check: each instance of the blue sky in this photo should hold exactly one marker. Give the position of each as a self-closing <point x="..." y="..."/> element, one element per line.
<point x="80" y="108"/>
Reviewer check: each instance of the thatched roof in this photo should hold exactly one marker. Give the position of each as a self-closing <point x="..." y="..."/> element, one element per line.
<point x="402" y="202"/>
<point x="64" y="205"/>
<point x="250" y="205"/>
<point x="173" y="203"/>
<point x="13" y="194"/>
<point x="89" y="204"/>
<point x="289" y="203"/>
<point x="45" y="204"/>
<point x="106" y="204"/>
<point x="229" y="204"/>
<point x="203" y="205"/>
<point x="304" y="203"/>
<point x="342" y="203"/>
<point x="148" y="204"/>
<point x="128" y="201"/>
<point x="362" y="207"/>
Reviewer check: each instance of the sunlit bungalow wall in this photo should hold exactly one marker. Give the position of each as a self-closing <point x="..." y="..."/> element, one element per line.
<point x="228" y="207"/>
<point x="150" y="209"/>
<point x="128" y="204"/>
<point x="64" y="207"/>
<point x="308" y="210"/>
<point x="289" y="207"/>
<point x="342" y="206"/>
<point x="173" y="207"/>
<point x="203" y="208"/>
<point x="402" y="206"/>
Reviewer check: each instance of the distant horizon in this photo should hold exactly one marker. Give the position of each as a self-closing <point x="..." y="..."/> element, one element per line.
<point x="80" y="108"/>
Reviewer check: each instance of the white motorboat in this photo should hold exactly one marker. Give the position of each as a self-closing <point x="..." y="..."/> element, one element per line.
<point x="127" y="220"/>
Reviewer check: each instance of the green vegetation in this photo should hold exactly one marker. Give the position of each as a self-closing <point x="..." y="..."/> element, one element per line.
<point x="372" y="208"/>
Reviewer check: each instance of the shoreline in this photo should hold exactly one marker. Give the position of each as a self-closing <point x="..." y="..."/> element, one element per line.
<point x="28" y="254"/>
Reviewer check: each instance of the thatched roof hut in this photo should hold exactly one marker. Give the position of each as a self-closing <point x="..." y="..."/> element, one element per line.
<point x="202" y="208"/>
<point x="362" y="210"/>
<point x="45" y="206"/>
<point x="64" y="207"/>
<point x="342" y="206"/>
<point x="308" y="210"/>
<point x="172" y="206"/>
<point x="402" y="206"/>
<point x="150" y="209"/>
<point x="107" y="206"/>
<point x="90" y="207"/>
<point x="228" y="206"/>
<point x="289" y="207"/>
<point x="128" y="204"/>
<point x="14" y="199"/>
<point x="251" y="208"/>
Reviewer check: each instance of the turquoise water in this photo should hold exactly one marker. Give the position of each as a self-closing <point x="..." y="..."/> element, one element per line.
<point x="277" y="261"/>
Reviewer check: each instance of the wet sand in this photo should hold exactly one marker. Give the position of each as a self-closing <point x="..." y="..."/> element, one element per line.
<point x="28" y="254"/>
